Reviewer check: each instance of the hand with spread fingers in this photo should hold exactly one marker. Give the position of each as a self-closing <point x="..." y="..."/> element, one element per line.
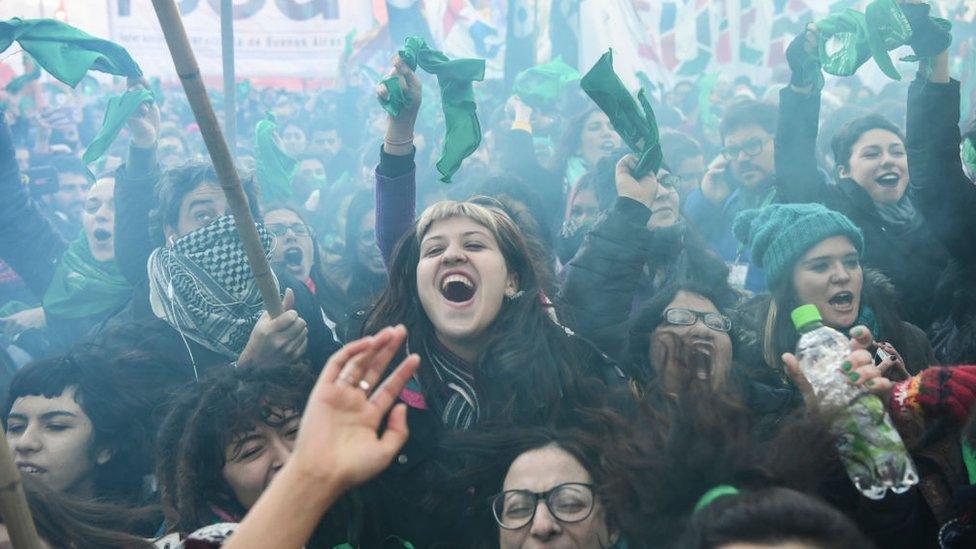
<point x="346" y="407"/>
<point x="339" y="444"/>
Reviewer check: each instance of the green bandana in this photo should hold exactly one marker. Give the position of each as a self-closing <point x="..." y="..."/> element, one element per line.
<point x="541" y="85"/>
<point x="888" y="29"/>
<point x="83" y="287"/>
<point x="64" y="51"/>
<point x="117" y="112"/>
<point x="18" y="83"/>
<point x="275" y="169"/>
<point x="849" y="38"/>
<point x="969" y="154"/>
<point x="843" y="42"/>
<point x="455" y="77"/>
<point x="637" y="129"/>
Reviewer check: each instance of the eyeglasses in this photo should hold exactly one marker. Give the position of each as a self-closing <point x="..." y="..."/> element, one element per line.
<point x="569" y="503"/>
<point x="687" y="317"/>
<point x="669" y="181"/>
<point x="280" y="229"/>
<point x="751" y="147"/>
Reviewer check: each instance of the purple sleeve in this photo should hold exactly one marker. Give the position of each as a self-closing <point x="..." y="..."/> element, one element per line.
<point x="395" y="209"/>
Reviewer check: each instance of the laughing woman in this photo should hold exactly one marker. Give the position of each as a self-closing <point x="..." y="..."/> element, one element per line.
<point x="463" y="282"/>
<point x="812" y="255"/>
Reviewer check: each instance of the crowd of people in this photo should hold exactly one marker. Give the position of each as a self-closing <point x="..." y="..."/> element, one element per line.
<point x="556" y="351"/>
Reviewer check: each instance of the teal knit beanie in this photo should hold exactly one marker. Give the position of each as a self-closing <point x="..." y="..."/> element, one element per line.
<point x="779" y="234"/>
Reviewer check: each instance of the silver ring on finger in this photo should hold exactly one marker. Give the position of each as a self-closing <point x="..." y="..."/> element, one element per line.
<point x="364" y="385"/>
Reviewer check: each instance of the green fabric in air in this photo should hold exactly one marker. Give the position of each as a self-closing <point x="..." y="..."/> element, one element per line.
<point x="118" y="111"/>
<point x="455" y="78"/>
<point x="275" y="170"/>
<point x="637" y="126"/>
<point x="64" y="51"/>
<point x="541" y="85"/>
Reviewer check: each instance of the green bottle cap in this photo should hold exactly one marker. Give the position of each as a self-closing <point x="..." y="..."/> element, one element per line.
<point x="805" y="314"/>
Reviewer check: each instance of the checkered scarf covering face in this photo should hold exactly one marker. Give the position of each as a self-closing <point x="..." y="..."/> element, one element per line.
<point x="202" y="286"/>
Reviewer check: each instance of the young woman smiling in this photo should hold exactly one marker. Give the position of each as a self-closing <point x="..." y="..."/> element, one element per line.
<point x="463" y="282"/>
<point x="873" y="167"/>
<point x="812" y="255"/>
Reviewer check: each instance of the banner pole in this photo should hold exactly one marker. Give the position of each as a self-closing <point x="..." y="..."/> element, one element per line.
<point x="196" y="94"/>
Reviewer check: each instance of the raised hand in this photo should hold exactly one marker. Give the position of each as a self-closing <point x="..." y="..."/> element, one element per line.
<point x="339" y="432"/>
<point x="399" y="131"/>
<point x="144" y="122"/>
<point x="715" y="183"/>
<point x="643" y="190"/>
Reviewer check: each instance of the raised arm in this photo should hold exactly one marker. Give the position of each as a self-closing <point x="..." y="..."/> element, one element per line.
<point x="939" y="186"/>
<point x="396" y="174"/>
<point x="135" y="185"/>
<point x="601" y="280"/>
<point x="28" y="242"/>
<point x="798" y="179"/>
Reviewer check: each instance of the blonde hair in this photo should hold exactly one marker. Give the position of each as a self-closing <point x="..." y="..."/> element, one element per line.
<point x="483" y="210"/>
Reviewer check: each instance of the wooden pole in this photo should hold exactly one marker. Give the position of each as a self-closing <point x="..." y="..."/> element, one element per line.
<point x="227" y="56"/>
<point x="13" y="504"/>
<point x="230" y="182"/>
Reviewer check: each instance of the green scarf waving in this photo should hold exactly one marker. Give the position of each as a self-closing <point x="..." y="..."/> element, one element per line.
<point x="275" y="169"/>
<point x="541" y="85"/>
<point x="64" y="51"/>
<point x="68" y="54"/>
<point x="84" y="287"/>
<point x="636" y="126"/>
<point x="455" y="78"/>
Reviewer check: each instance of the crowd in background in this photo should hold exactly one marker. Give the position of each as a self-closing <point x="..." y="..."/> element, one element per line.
<point x="585" y="356"/>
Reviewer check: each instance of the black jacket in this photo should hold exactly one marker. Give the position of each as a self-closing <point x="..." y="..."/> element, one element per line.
<point x="608" y="279"/>
<point x="912" y="259"/>
<point x="947" y="199"/>
<point x="135" y="184"/>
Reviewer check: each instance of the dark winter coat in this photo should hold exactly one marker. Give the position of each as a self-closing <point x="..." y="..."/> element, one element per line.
<point x="912" y="259"/>
<point x="607" y="281"/>
<point x="135" y="184"/>
<point x="946" y="198"/>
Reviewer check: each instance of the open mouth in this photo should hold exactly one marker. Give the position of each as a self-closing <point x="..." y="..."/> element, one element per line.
<point x="608" y="146"/>
<point x="293" y="257"/>
<point x="101" y="235"/>
<point x="842" y="301"/>
<point x="30" y="468"/>
<point x="700" y="359"/>
<point x="888" y="180"/>
<point x="457" y="288"/>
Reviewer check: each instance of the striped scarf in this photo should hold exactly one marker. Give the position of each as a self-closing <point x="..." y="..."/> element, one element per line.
<point x="462" y="408"/>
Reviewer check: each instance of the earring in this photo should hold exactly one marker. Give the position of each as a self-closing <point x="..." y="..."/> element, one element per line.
<point x="514" y="296"/>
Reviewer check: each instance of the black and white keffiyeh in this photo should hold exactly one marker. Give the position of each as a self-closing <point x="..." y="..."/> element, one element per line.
<point x="203" y="287"/>
<point x="462" y="408"/>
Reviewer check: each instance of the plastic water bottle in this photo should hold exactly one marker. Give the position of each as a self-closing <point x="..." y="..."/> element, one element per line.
<point x="869" y="445"/>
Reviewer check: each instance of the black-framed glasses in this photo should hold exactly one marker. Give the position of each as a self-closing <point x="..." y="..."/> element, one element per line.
<point x="687" y="317"/>
<point x="751" y="147"/>
<point x="280" y="229"/>
<point x="570" y="502"/>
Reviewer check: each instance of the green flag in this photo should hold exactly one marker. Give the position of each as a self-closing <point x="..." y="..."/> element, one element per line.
<point x="64" y="51"/>
<point x="455" y="78"/>
<point x="636" y="126"/>
<point x="541" y="85"/>
<point x="117" y="112"/>
<point x="275" y="169"/>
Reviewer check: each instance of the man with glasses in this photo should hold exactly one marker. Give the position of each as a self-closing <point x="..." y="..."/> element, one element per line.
<point x="740" y="178"/>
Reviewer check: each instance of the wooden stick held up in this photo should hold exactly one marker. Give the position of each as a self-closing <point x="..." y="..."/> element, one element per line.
<point x="13" y="504"/>
<point x="230" y="182"/>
